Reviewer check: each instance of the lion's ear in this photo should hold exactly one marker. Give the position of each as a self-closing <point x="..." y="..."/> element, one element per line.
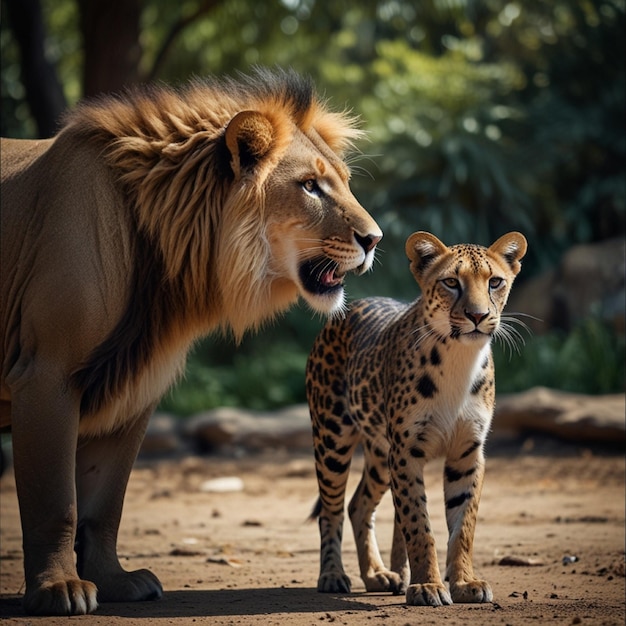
<point x="249" y="138"/>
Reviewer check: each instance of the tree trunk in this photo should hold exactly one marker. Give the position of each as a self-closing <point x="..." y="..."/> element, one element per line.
<point x="112" y="51"/>
<point x="44" y="94"/>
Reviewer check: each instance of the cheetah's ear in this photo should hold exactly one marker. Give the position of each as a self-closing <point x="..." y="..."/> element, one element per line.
<point x="512" y="247"/>
<point x="422" y="249"/>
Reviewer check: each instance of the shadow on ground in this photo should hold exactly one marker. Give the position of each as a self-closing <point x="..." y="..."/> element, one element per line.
<point x="220" y="603"/>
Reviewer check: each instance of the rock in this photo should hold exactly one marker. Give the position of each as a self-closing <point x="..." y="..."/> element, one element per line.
<point x="162" y="436"/>
<point x="590" y="280"/>
<point x="225" y="484"/>
<point x="520" y="561"/>
<point x="532" y="299"/>
<point x="571" y="416"/>
<point x="576" y="417"/>
<point x="230" y="428"/>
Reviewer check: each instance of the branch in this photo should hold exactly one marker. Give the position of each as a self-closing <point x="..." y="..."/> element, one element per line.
<point x="182" y="23"/>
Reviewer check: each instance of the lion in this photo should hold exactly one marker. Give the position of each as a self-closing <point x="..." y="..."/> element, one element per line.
<point x="152" y="219"/>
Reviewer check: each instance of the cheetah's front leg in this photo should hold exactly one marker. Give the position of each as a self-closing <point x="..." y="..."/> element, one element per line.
<point x="409" y="496"/>
<point x="373" y="485"/>
<point x="463" y="480"/>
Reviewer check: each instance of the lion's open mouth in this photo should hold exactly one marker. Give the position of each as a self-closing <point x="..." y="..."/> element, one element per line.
<point x="321" y="276"/>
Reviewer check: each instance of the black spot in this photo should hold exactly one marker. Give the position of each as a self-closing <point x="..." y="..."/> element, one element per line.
<point x="418" y="453"/>
<point x="435" y="358"/>
<point x="339" y="387"/>
<point x="333" y="426"/>
<point x="426" y="386"/>
<point x="381" y="454"/>
<point x="457" y="500"/>
<point x="338" y="409"/>
<point x="477" y="386"/>
<point x="375" y="476"/>
<point x="452" y="475"/>
<point x="346" y="420"/>
<point x="335" y="465"/>
<point x="329" y="442"/>
<point x="470" y="449"/>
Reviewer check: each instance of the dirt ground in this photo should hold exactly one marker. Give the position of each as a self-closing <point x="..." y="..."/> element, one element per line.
<point x="248" y="556"/>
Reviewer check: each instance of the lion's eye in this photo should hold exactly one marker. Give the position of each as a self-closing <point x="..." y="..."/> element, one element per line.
<point x="451" y="283"/>
<point x="495" y="282"/>
<point x="310" y="186"/>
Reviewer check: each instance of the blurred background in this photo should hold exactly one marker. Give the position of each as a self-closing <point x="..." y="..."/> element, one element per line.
<point x="482" y="117"/>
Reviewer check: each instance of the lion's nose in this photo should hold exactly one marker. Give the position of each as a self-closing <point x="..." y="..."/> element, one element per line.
<point x="367" y="242"/>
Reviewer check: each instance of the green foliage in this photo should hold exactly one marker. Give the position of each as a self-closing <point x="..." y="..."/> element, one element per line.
<point x="261" y="379"/>
<point x="590" y="359"/>
<point x="15" y="120"/>
<point x="482" y="117"/>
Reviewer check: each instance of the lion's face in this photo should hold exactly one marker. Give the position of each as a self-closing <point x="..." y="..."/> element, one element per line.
<point x="316" y="228"/>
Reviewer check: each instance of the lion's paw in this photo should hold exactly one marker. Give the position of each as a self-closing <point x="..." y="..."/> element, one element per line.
<point x="65" y="597"/>
<point x="385" y="580"/>
<point x="334" y="582"/>
<point x="474" y="591"/>
<point x="428" y="594"/>
<point x="135" y="586"/>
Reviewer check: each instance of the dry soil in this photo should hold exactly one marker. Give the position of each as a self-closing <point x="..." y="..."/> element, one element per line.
<point x="249" y="556"/>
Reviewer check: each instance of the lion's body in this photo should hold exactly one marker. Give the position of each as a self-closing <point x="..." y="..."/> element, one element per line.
<point x="149" y="221"/>
<point x="411" y="382"/>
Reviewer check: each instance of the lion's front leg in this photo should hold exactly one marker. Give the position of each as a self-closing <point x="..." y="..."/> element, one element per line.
<point x="44" y="429"/>
<point x="102" y="471"/>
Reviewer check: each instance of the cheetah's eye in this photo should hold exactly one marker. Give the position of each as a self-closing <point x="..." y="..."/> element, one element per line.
<point x="495" y="282"/>
<point x="310" y="186"/>
<point x="451" y="283"/>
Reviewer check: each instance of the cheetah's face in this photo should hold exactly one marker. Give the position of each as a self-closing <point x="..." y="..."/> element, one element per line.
<point x="465" y="287"/>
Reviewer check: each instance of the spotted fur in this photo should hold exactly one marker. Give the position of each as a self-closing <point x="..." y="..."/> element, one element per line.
<point x="411" y="382"/>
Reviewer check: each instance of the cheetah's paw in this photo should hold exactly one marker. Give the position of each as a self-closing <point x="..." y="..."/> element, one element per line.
<point x="385" y="580"/>
<point x="334" y="582"/>
<point x="474" y="591"/>
<point x="428" y="594"/>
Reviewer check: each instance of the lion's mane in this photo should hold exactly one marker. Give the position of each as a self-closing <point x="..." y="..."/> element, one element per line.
<point x="200" y="245"/>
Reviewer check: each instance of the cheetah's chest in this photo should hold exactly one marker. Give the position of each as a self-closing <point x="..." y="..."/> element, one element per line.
<point x="427" y="387"/>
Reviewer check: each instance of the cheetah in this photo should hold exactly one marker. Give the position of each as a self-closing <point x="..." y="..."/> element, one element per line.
<point x="411" y="382"/>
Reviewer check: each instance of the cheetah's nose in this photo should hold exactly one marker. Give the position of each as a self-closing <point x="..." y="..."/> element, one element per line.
<point x="476" y="316"/>
<point x="367" y="242"/>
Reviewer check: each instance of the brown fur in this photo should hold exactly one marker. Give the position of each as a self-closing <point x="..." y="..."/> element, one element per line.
<point x="152" y="219"/>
